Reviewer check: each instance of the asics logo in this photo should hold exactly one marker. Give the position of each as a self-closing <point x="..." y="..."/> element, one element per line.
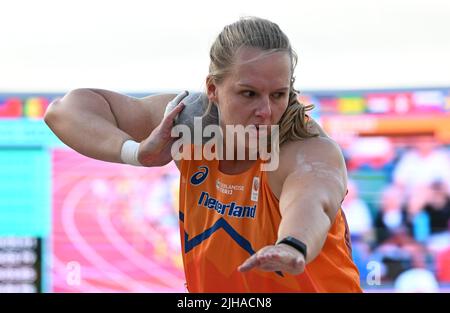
<point x="200" y="176"/>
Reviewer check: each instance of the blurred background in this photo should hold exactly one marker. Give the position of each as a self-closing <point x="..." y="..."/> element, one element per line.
<point x="378" y="73"/>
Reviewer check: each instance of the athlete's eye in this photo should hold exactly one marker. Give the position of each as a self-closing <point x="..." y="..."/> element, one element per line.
<point x="248" y="93"/>
<point x="279" y="95"/>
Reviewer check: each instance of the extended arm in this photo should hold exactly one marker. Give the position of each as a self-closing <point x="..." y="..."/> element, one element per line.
<point x="313" y="190"/>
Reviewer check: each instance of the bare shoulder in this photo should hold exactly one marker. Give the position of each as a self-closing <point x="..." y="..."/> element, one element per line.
<point x="295" y="155"/>
<point x="315" y="128"/>
<point x="310" y="156"/>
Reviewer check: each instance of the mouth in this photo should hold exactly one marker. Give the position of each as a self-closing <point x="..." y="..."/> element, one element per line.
<point x="259" y="130"/>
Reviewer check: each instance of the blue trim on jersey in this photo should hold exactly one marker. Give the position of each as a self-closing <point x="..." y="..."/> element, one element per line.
<point x="181" y="215"/>
<point x="221" y="223"/>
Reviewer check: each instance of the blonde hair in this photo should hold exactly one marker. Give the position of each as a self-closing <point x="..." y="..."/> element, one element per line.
<point x="265" y="35"/>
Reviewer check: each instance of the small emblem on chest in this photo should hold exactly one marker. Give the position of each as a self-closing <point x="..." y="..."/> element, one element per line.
<point x="255" y="189"/>
<point x="227" y="188"/>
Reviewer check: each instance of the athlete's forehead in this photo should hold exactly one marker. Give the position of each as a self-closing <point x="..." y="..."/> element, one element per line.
<point x="260" y="70"/>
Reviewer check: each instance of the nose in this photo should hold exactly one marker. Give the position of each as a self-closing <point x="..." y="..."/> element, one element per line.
<point x="264" y="110"/>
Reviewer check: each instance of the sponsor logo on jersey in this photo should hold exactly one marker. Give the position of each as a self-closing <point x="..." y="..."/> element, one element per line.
<point x="228" y="189"/>
<point x="199" y="177"/>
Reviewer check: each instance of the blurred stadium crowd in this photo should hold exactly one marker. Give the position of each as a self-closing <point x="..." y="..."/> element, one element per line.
<point x="398" y="208"/>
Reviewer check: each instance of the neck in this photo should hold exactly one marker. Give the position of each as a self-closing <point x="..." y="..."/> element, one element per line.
<point x="233" y="167"/>
<point x="246" y="154"/>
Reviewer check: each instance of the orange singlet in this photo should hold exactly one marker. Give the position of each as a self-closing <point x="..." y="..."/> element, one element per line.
<point x="224" y="219"/>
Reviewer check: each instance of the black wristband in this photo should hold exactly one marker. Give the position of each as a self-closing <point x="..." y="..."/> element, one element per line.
<point x="295" y="243"/>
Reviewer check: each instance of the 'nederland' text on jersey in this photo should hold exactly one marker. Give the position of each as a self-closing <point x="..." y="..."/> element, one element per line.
<point x="234" y="210"/>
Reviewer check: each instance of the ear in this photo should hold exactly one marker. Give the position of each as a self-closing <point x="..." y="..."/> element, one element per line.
<point x="211" y="89"/>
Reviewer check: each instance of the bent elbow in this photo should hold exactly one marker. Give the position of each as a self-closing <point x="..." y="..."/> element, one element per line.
<point x="60" y="106"/>
<point x="51" y="113"/>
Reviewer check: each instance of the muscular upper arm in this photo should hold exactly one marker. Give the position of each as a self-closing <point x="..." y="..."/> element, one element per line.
<point x="315" y="169"/>
<point x="136" y="116"/>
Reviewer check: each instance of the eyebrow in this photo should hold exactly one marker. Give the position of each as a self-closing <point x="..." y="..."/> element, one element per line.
<point x="250" y="86"/>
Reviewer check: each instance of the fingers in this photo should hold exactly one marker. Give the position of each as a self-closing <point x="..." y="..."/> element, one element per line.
<point x="175" y="101"/>
<point x="172" y="114"/>
<point x="168" y="121"/>
<point x="255" y="260"/>
<point x="180" y="97"/>
<point x="264" y="262"/>
<point x="274" y="258"/>
<point x="261" y="259"/>
<point x="250" y="263"/>
<point x="271" y="263"/>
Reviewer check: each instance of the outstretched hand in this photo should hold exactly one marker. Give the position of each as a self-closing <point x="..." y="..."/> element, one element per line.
<point x="279" y="257"/>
